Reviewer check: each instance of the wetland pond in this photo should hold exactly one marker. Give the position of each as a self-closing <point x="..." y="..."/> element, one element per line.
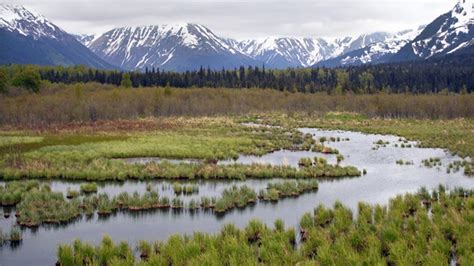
<point x="377" y="154"/>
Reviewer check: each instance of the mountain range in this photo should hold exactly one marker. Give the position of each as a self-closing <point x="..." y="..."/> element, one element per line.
<point x="28" y="37"/>
<point x="177" y="47"/>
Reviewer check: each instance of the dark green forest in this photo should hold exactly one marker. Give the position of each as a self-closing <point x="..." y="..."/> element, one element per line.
<point x="415" y="77"/>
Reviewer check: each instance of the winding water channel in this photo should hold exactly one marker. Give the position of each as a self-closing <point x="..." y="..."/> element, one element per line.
<point x="384" y="179"/>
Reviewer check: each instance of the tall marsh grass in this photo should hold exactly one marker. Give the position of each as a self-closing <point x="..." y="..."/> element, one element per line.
<point x="407" y="232"/>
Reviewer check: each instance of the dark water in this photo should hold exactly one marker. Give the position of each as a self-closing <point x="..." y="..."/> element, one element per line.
<point x="384" y="179"/>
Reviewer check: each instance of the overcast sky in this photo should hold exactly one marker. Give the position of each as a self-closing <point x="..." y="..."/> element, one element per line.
<point x="242" y="19"/>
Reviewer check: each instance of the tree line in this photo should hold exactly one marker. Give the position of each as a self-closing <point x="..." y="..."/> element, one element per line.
<point x="391" y="78"/>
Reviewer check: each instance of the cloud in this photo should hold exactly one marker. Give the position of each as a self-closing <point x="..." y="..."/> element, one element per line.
<point x="245" y="19"/>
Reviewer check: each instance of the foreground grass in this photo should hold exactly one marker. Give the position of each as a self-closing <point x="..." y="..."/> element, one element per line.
<point x="420" y="229"/>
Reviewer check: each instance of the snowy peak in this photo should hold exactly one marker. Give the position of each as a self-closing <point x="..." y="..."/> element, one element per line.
<point x="377" y="49"/>
<point x="446" y="34"/>
<point x="189" y="35"/>
<point x="163" y="46"/>
<point x="462" y="12"/>
<point x="85" y="39"/>
<point x="282" y="52"/>
<point x="29" y="38"/>
<point x="292" y="51"/>
<point x="27" y="23"/>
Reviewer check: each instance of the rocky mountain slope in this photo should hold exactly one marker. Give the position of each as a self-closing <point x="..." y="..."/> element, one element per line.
<point x="29" y="38"/>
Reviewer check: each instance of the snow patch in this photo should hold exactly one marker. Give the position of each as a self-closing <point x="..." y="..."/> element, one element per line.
<point x="18" y="19"/>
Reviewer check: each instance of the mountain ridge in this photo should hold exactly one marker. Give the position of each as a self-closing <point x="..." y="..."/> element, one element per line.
<point x="175" y="47"/>
<point x="446" y="34"/>
<point x="162" y="46"/>
<point x="29" y="38"/>
<point x="374" y="53"/>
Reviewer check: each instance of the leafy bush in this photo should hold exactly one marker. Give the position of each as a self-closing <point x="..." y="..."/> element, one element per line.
<point x="28" y="79"/>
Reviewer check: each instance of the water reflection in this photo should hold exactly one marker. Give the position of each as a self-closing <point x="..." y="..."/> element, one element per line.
<point x="384" y="179"/>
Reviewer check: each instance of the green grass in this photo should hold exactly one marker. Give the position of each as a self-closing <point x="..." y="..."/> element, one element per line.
<point x="88" y="154"/>
<point x="88" y="188"/>
<point x="72" y="194"/>
<point x="185" y="189"/>
<point x="40" y="205"/>
<point x="344" y="116"/>
<point x="91" y="156"/>
<point x="18" y="140"/>
<point x="415" y="229"/>
<point x="46" y="207"/>
<point x="208" y="139"/>
<point x="276" y="191"/>
<point x="50" y="139"/>
<point x="235" y="197"/>
<point x="12" y="192"/>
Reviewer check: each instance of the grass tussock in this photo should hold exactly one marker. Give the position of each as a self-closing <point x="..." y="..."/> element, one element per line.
<point x="235" y="197"/>
<point x="43" y="206"/>
<point x="12" y="192"/>
<point x="88" y="188"/>
<point x="179" y="189"/>
<point x="276" y="191"/>
<point x="432" y="162"/>
<point x="319" y="167"/>
<point x="404" y="162"/>
<point x="423" y="228"/>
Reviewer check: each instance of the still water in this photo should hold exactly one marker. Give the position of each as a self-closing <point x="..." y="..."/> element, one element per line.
<point x="384" y="179"/>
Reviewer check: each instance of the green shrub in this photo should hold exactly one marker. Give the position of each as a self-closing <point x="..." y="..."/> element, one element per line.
<point x="28" y="79"/>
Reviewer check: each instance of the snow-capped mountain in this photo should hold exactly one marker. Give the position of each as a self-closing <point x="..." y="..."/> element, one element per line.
<point x="190" y="46"/>
<point x="85" y="39"/>
<point x="172" y="47"/>
<point x="350" y="44"/>
<point x="29" y="38"/>
<point x="286" y="52"/>
<point x="446" y="34"/>
<point x="302" y="52"/>
<point x="374" y="53"/>
<point x="27" y="23"/>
